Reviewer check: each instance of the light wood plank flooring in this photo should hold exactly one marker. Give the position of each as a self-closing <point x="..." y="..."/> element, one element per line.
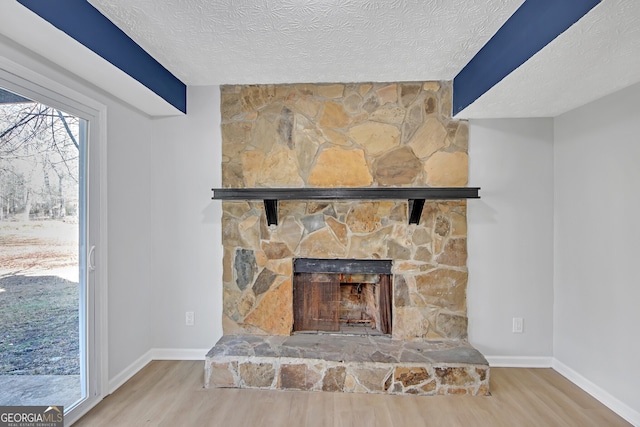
<point x="170" y="393"/>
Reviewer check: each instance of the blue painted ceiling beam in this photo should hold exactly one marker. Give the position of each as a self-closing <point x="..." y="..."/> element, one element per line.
<point x="81" y="21"/>
<point x="528" y="30"/>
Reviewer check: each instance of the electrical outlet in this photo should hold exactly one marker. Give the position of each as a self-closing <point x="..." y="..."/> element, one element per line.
<point x="189" y="318"/>
<point x="518" y="325"/>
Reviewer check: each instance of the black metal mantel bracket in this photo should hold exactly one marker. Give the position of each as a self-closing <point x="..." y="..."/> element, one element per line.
<point x="415" y="196"/>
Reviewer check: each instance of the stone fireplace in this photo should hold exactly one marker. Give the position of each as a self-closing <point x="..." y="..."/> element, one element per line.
<point x="344" y="135"/>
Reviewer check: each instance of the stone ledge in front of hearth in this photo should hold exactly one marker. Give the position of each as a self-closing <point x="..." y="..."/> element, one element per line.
<point x="352" y="364"/>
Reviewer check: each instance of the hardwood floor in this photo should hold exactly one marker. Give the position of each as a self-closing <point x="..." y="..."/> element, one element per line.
<point x="170" y="393"/>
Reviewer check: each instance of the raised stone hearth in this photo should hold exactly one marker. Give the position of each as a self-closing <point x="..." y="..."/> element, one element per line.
<point x="361" y="364"/>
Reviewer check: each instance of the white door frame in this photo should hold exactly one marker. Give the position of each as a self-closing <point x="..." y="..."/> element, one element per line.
<point x="28" y="83"/>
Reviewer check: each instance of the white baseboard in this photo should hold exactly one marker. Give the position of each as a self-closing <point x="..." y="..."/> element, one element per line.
<point x="519" y="361"/>
<point x="611" y="402"/>
<point x="130" y="371"/>
<point x="179" y="353"/>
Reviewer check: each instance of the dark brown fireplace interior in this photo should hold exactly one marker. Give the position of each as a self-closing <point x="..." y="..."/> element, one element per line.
<point x="352" y="297"/>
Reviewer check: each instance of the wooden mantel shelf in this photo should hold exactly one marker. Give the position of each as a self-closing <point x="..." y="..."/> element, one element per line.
<point x="415" y="196"/>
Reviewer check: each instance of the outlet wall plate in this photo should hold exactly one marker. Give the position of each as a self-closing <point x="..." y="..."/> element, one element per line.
<point x="189" y="318"/>
<point x="518" y="325"/>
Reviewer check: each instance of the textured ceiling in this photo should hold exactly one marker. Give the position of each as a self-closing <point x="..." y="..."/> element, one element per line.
<point x="598" y="55"/>
<point x="205" y="42"/>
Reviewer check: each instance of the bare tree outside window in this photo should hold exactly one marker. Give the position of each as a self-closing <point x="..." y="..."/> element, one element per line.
<point x="38" y="161"/>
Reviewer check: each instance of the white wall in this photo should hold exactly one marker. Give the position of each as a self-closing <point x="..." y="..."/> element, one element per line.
<point x="511" y="238"/>
<point x="129" y="230"/>
<point x="597" y="243"/>
<point x="187" y="245"/>
<point x="128" y="209"/>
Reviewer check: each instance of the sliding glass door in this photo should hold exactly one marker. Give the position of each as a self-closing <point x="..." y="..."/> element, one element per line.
<point x="49" y="232"/>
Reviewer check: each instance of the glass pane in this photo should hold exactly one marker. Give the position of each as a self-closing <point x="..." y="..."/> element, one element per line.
<point x="41" y="275"/>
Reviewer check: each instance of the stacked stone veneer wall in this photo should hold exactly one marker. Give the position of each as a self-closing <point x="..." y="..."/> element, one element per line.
<point x="344" y="135"/>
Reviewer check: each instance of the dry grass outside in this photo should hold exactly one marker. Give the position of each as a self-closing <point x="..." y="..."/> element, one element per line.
<point x="39" y="296"/>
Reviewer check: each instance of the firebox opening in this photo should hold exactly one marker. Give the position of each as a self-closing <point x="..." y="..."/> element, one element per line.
<point x="350" y="304"/>
<point x="347" y="296"/>
<point x="359" y="309"/>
